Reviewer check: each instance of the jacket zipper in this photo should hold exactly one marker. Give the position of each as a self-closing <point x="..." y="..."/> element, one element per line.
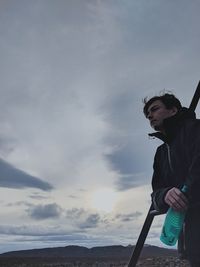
<point x="169" y="158"/>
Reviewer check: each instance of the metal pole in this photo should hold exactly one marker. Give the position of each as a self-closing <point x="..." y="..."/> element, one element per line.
<point x="195" y="98"/>
<point x="142" y="237"/>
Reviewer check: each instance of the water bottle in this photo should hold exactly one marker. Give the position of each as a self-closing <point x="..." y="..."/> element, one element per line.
<point x="173" y="225"/>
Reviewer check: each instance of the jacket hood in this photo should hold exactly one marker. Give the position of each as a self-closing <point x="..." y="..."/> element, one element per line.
<point x="172" y="124"/>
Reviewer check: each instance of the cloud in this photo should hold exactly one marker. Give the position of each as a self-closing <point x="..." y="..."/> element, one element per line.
<point x="128" y="217"/>
<point x="64" y="237"/>
<point x="75" y="213"/>
<point x="38" y="196"/>
<point x="83" y="219"/>
<point x="91" y="221"/>
<point x="73" y="197"/>
<point x="128" y="140"/>
<point x="123" y="160"/>
<point x="126" y="182"/>
<point x="32" y="230"/>
<point x="18" y="203"/>
<point x="41" y="212"/>
<point x="12" y="177"/>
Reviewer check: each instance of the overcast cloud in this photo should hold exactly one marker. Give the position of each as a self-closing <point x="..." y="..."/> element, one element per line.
<point x="41" y="212"/>
<point x="12" y="177"/>
<point x="73" y="75"/>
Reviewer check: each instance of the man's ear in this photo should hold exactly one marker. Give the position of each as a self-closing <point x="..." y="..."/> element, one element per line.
<point x="174" y="110"/>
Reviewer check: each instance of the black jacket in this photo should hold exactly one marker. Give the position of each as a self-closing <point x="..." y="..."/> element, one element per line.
<point x="177" y="162"/>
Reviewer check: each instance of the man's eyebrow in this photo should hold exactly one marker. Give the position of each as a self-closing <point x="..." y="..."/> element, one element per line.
<point x="155" y="106"/>
<point x="150" y="109"/>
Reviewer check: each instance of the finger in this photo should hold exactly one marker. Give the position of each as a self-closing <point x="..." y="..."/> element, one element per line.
<point x="177" y="194"/>
<point x="176" y="199"/>
<point x="173" y="202"/>
<point x="176" y="203"/>
<point x="181" y="196"/>
<point x="179" y="201"/>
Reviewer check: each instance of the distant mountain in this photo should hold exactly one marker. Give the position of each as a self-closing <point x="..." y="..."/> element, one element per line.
<point x="77" y="252"/>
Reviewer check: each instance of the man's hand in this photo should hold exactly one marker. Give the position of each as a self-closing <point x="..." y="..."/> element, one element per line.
<point x="176" y="199"/>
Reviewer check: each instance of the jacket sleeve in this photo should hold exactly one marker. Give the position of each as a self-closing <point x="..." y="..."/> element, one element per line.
<point x="193" y="154"/>
<point x="158" y="186"/>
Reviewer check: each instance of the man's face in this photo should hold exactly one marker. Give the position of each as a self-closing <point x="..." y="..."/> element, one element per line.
<point x="157" y="112"/>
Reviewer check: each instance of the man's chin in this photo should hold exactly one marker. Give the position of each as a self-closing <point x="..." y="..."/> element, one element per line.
<point x="156" y="127"/>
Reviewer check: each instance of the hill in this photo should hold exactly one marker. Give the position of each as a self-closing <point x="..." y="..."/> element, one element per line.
<point x="77" y="252"/>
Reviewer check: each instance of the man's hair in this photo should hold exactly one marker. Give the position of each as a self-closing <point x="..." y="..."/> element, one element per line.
<point x="169" y="100"/>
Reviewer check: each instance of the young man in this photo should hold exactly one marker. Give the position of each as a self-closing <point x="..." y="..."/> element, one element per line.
<point x="177" y="162"/>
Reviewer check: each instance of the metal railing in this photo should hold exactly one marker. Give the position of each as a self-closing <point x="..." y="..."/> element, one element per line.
<point x="142" y="237"/>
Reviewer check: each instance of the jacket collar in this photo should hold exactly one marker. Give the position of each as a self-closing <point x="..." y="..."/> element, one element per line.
<point x="172" y="124"/>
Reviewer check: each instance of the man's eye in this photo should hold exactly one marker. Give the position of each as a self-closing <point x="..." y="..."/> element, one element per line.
<point x="154" y="109"/>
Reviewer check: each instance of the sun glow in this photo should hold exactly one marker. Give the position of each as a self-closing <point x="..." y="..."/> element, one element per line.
<point x="103" y="199"/>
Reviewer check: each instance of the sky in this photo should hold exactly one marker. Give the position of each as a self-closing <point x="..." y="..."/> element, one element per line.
<point x="75" y="157"/>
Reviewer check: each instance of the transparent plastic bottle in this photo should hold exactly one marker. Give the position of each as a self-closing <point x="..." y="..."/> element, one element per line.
<point x="173" y="225"/>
